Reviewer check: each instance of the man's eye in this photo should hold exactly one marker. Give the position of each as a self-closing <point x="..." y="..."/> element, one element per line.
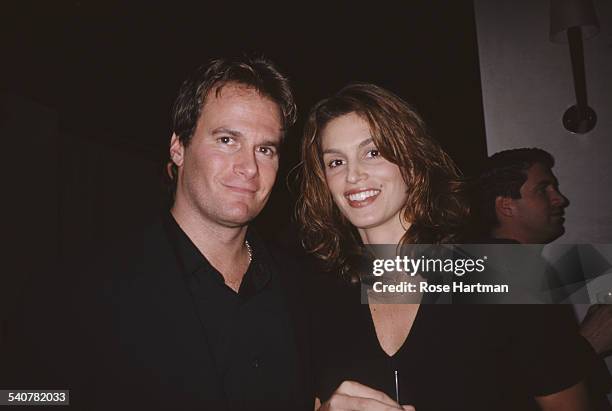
<point x="334" y="163"/>
<point x="225" y="140"/>
<point x="267" y="151"/>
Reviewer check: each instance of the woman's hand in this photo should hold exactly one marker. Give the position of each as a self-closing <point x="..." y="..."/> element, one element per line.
<point x="352" y="396"/>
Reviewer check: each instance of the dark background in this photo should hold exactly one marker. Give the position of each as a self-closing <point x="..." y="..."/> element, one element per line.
<point x="86" y="89"/>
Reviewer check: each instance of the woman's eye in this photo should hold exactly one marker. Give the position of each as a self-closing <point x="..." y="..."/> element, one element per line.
<point x="373" y="153"/>
<point x="334" y="163"/>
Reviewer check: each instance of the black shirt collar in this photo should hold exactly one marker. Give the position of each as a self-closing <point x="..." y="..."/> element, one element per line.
<point x="193" y="262"/>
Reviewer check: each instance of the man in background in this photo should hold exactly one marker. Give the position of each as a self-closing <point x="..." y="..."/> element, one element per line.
<point x="516" y="199"/>
<point x="519" y="198"/>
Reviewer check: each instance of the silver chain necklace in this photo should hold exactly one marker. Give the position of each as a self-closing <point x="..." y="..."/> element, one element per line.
<point x="249" y="250"/>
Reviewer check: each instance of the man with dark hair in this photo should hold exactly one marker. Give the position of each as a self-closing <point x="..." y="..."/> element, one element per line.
<point x="257" y="74"/>
<point x="198" y="312"/>
<point x="518" y="197"/>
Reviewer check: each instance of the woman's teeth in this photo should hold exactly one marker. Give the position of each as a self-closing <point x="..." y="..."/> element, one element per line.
<point x="361" y="196"/>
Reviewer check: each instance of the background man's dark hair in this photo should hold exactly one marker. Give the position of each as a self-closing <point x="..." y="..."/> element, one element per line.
<point x="503" y="175"/>
<point x="258" y="73"/>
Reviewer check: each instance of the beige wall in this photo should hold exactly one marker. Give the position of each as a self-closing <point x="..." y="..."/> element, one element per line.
<point x="527" y="86"/>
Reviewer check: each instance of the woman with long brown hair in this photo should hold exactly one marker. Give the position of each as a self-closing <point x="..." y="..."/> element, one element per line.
<point x="371" y="174"/>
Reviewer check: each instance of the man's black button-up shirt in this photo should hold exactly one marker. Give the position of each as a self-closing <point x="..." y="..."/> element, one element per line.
<point x="249" y="333"/>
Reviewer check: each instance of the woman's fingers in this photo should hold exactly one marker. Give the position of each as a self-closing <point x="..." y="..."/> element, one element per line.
<point x="343" y="402"/>
<point x="353" y="396"/>
<point x="355" y="389"/>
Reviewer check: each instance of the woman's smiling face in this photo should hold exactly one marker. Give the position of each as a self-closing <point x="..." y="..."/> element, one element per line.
<point x="368" y="189"/>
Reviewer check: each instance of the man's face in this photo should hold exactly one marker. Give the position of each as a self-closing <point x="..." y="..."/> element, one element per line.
<point x="228" y="169"/>
<point x="540" y="210"/>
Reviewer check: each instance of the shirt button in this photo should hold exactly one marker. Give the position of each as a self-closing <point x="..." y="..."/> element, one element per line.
<point x="256" y="363"/>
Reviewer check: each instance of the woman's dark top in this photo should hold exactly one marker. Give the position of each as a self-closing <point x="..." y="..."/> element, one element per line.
<point x="456" y="357"/>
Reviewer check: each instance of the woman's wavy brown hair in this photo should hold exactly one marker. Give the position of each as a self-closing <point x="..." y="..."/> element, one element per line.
<point x="436" y="204"/>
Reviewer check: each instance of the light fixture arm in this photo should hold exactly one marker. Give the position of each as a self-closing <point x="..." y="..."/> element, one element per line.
<point x="579" y="118"/>
<point x="574" y="37"/>
<point x="578" y="19"/>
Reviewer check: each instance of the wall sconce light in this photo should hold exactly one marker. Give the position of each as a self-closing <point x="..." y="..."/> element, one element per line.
<point x="577" y="18"/>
